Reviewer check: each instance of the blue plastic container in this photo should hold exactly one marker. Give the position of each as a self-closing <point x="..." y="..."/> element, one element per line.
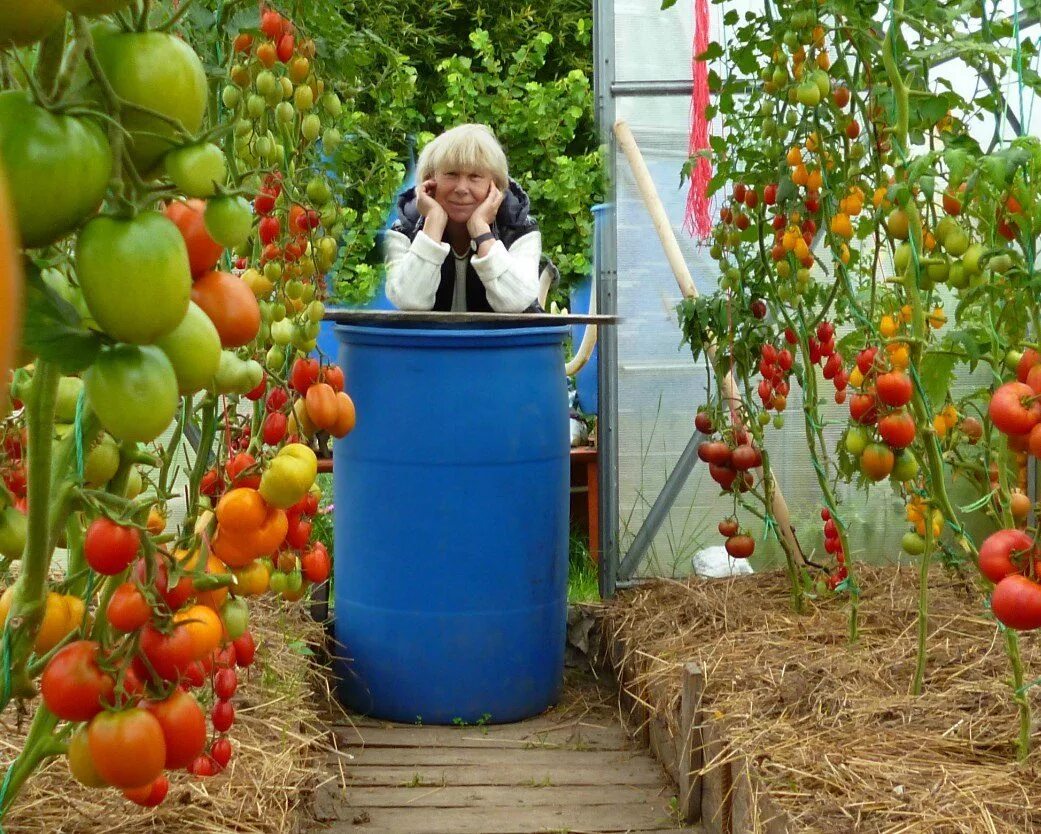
<point x="452" y="523"/>
<point x="587" y="380"/>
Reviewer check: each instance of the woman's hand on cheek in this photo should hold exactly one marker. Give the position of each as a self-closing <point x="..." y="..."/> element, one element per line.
<point x="425" y="202"/>
<point x="484" y="214"/>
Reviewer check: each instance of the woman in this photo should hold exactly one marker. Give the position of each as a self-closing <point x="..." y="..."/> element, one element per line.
<point x="464" y="240"/>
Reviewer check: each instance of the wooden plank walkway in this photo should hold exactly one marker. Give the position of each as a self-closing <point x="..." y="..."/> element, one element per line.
<point x="572" y="770"/>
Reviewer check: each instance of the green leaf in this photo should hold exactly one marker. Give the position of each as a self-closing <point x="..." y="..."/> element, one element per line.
<point x="54" y="331"/>
<point x="667" y="4"/>
<point x="936" y="376"/>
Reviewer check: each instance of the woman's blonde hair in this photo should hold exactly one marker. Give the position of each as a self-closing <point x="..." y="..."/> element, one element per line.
<point x="469" y="147"/>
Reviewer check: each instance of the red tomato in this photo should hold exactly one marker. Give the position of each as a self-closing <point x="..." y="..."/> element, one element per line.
<point x="128" y="748"/>
<point x="274" y="431"/>
<point x="272" y="24"/>
<point x="109" y="548"/>
<point x="268" y="230"/>
<point x="1016" y="602"/>
<point x="276" y="399"/>
<point x="221" y="752"/>
<point x="286" y="45"/>
<point x="315" y="565"/>
<point x="304" y="374"/>
<point x="211" y="483"/>
<point x="862" y="408"/>
<point x="740" y="547"/>
<point x="130" y="688"/>
<point x="299" y="534"/>
<point x="174" y="597"/>
<point x="184" y="727"/>
<point x="150" y="795"/>
<point x="1027" y="361"/>
<point x="203" y="766"/>
<point x="245" y="650"/>
<point x="223" y="716"/>
<point x="168" y="654"/>
<point x="237" y="466"/>
<point x="260" y="390"/>
<point x="897" y="430"/>
<point x="264" y="203"/>
<point x="128" y="609"/>
<point x="225" y="682"/>
<point x="333" y="376"/>
<point x="243" y="42"/>
<point x="894" y="388"/>
<point x="203" y="251"/>
<point x="73" y="686"/>
<point x="997" y="551"/>
<point x="1013" y="409"/>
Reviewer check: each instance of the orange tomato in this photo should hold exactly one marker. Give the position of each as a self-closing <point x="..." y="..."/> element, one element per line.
<point x="156" y="523"/>
<point x="321" y="405"/>
<point x="251" y="580"/>
<point x="205" y="628"/>
<point x="231" y="306"/>
<point x="211" y="599"/>
<point x="345" y="416"/>
<point x="241" y="510"/>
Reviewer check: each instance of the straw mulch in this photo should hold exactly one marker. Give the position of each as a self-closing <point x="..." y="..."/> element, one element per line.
<point x="831" y="731"/>
<point x="278" y="739"/>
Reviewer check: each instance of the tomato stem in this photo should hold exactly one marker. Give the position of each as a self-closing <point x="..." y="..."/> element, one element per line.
<point x="30" y="591"/>
<point x="923" y="603"/>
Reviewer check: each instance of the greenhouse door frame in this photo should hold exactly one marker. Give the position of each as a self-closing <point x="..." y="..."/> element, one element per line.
<point x="615" y="571"/>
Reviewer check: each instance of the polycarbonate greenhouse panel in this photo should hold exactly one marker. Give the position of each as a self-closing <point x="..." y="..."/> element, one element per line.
<point x="659" y="386"/>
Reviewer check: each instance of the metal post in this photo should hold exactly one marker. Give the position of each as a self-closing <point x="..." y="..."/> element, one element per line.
<point x="607" y="301"/>
<point x="661" y="507"/>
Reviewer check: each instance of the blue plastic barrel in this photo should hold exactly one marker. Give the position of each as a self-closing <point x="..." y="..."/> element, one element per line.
<point x="451" y="523"/>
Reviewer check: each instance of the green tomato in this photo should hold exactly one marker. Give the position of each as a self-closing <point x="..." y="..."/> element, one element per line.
<point x="937" y="272"/>
<point x="957" y="278"/>
<point x="232" y="98"/>
<point x="957" y="242"/>
<point x="332" y="105"/>
<point x="913" y="544"/>
<point x="971" y="260"/>
<point x="158" y="71"/>
<point x="315" y="312"/>
<point x="255" y="106"/>
<point x="331" y="139"/>
<point x="275" y="359"/>
<point x="823" y="82"/>
<point x="287" y="87"/>
<point x="229" y="220"/>
<point x="318" y="191"/>
<point x="764" y="419"/>
<point x="135" y="275"/>
<point x="856" y="440"/>
<point x="102" y="462"/>
<point x="294" y="581"/>
<point x="278" y="582"/>
<point x="134" y="484"/>
<point x="282" y="332"/>
<point x="193" y="348"/>
<point x="197" y="170"/>
<point x="284" y="113"/>
<point x="905" y="467"/>
<point x="311" y="127"/>
<point x="133" y="391"/>
<point x="303" y="97"/>
<point x="809" y="94"/>
<point x="57" y="168"/>
<point x="235" y="616"/>
<point x="14" y="528"/>
<point x="1001" y="263"/>
<point x="267" y="84"/>
<point x="778" y="421"/>
<point x="69" y="389"/>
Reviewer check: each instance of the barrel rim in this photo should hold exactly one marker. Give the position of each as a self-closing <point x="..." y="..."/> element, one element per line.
<point x="440" y="337"/>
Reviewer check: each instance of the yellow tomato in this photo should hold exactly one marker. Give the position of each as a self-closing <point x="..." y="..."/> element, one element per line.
<point x="252" y="580"/>
<point x="887" y="326"/>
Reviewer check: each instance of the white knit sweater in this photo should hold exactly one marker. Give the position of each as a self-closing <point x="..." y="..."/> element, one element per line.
<point x="510" y="276"/>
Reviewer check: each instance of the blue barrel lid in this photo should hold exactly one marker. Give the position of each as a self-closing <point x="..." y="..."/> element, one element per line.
<point x="477" y="335"/>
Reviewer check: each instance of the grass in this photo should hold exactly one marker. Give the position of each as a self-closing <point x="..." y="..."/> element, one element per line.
<point x="582" y="583"/>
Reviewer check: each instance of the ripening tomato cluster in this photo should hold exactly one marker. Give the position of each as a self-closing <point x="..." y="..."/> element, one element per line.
<point x="730" y="466"/>
<point x="882" y="427"/>
<point x="833" y="545"/>
<point x="1010" y="559"/>
<point x="739" y="545"/>
<point x="323" y="405"/>
<point x="775" y="368"/>
<point x="1015" y="407"/>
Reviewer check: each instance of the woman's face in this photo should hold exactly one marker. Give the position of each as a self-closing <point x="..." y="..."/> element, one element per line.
<point x="460" y="192"/>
